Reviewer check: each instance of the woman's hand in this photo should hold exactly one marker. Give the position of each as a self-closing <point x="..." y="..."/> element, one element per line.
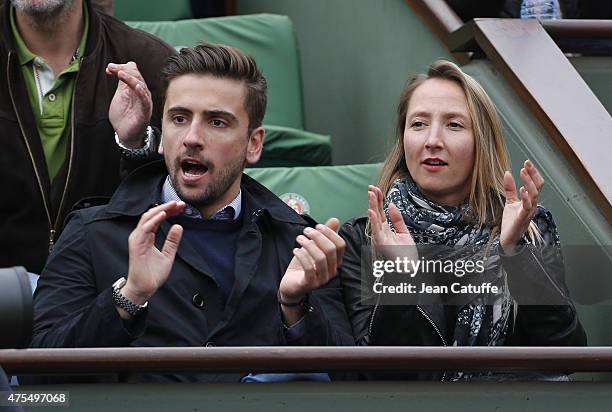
<point x="520" y="207"/>
<point x="382" y="235"/>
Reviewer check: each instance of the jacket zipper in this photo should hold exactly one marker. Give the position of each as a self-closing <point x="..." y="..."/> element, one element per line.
<point x="52" y="226"/>
<point x="372" y="317"/>
<point x="38" y="179"/>
<point x="563" y="294"/>
<point x="61" y="205"/>
<point x="425" y="315"/>
<point x="432" y="323"/>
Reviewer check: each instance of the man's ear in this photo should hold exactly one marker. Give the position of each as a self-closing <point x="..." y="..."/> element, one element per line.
<point x="160" y="148"/>
<point x="255" y="145"/>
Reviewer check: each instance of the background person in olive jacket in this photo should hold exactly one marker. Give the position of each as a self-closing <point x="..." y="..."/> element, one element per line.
<point x="212" y="258"/>
<point x="447" y="182"/>
<point x="58" y="144"/>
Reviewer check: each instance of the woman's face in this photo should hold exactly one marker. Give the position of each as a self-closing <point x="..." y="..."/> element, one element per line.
<point x="439" y="142"/>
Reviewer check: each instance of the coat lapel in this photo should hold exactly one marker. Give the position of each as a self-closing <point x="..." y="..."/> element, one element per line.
<point x="185" y="251"/>
<point x="248" y="253"/>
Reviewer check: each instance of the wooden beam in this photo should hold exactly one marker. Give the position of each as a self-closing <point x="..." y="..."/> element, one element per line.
<point x="441" y="20"/>
<point x="578" y="29"/>
<point x="304" y="359"/>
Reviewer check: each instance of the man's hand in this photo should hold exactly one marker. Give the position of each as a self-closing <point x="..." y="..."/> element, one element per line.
<point x="131" y="108"/>
<point x="520" y="208"/>
<point x="312" y="266"/>
<point x="150" y="267"/>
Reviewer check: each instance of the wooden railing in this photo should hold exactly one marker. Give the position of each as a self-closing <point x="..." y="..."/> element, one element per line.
<point x="443" y="21"/>
<point x="305" y="359"/>
<point x="578" y="29"/>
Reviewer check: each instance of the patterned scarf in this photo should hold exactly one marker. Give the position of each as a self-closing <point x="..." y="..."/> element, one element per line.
<point x="476" y="324"/>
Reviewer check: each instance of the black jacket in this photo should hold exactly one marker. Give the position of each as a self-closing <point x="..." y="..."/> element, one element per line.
<point x="33" y="209"/>
<point x="425" y="325"/>
<point x="73" y="304"/>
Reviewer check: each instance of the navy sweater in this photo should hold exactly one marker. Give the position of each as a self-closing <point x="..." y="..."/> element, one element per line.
<point x="216" y="241"/>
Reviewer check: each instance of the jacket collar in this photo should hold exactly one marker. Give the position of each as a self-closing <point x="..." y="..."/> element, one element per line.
<point x="263" y="200"/>
<point x="141" y="190"/>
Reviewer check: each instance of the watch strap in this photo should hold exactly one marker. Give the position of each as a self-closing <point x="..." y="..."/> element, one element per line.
<point x="140" y="153"/>
<point x="123" y="302"/>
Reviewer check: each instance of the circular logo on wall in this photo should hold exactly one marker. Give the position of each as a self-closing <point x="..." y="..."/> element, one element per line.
<point x="296" y="202"/>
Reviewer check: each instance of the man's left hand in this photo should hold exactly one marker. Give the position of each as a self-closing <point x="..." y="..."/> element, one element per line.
<point x="312" y="266"/>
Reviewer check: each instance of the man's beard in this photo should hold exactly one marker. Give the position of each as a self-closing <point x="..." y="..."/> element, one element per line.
<point x="44" y="13"/>
<point x="215" y="189"/>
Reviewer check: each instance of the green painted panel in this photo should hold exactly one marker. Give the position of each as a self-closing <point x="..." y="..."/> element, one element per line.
<point x="323" y="191"/>
<point x="152" y="10"/>
<point x="356" y="56"/>
<point x="340" y="396"/>
<point x="269" y="39"/>
<point x="597" y="73"/>
<point x="288" y="147"/>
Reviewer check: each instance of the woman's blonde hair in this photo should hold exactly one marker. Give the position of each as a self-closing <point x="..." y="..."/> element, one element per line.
<point x="487" y="195"/>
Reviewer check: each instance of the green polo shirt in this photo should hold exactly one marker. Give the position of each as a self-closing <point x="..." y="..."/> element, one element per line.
<point x="51" y="109"/>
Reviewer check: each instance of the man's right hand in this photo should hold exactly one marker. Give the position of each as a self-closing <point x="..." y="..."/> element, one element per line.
<point x="150" y="267"/>
<point x="131" y="108"/>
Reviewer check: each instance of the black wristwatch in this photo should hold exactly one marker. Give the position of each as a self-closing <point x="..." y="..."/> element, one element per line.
<point x="301" y="303"/>
<point x="124" y="303"/>
<point x="141" y="153"/>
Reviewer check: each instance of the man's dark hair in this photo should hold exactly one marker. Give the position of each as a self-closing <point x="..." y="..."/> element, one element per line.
<point x="222" y="61"/>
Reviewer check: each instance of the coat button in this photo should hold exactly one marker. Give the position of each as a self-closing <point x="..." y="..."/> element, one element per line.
<point x="198" y="301"/>
<point x="210" y="344"/>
